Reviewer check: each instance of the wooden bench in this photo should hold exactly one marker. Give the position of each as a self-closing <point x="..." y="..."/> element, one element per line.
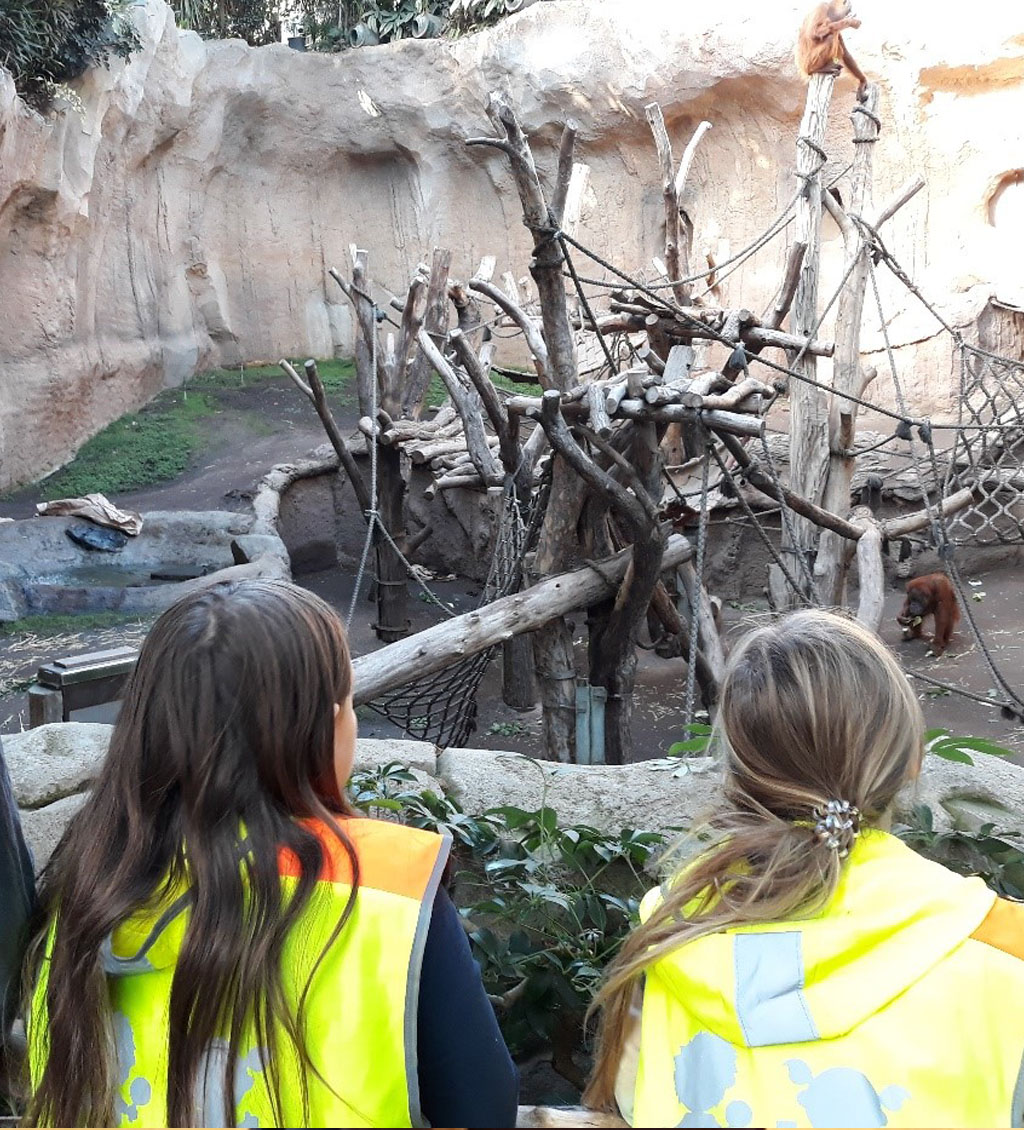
<point x="66" y="685"/>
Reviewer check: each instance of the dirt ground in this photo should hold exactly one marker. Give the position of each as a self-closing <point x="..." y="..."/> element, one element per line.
<point x="263" y="423"/>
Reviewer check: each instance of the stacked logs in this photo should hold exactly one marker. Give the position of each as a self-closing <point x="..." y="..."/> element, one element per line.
<point x="674" y="395"/>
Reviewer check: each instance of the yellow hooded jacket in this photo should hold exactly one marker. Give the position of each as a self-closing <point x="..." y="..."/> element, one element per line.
<point x="900" y="1004"/>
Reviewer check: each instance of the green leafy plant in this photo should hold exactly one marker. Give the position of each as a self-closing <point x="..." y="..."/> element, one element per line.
<point x="508" y="729"/>
<point x="999" y="862"/>
<point x="547" y="906"/>
<point x="258" y="22"/>
<point x="46" y="43"/>
<point x="953" y="748"/>
<point x="697" y="743"/>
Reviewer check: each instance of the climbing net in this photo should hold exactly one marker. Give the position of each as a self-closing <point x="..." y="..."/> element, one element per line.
<point x="988" y="452"/>
<point x="441" y="708"/>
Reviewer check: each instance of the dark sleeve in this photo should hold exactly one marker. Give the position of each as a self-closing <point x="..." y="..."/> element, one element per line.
<point x="466" y="1076"/>
<point x="17" y="897"/>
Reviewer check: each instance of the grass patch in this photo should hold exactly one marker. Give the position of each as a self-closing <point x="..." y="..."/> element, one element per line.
<point x="158" y="443"/>
<point x="59" y="624"/>
<point x="338" y="376"/>
<point x="137" y="450"/>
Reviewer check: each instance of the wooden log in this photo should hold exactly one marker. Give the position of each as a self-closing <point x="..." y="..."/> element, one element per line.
<point x="754" y="338"/>
<point x="685" y="225"/>
<point x="650" y="358"/>
<point x="600" y="421"/>
<point x="508" y="438"/>
<point x="738" y="396"/>
<point x="530" y="330"/>
<point x="673" y="267"/>
<point x="316" y="393"/>
<point x="831" y="564"/>
<point x="763" y="482"/>
<point x="808" y="429"/>
<point x="518" y="674"/>
<point x="920" y="519"/>
<point x="708" y="638"/>
<point x="468" y="406"/>
<point x="776" y="314"/>
<point x="615" y="395"/>
<point x="424" y="452"/>
<point x="435" y="324"/>
<point x="735" y="423"/>
<point x="870" y="573"/>
<point x="546" y="267"/>
<point x="467" y="314"/>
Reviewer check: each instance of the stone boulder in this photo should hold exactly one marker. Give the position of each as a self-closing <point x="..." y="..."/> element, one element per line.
<point x="52" y="766"/>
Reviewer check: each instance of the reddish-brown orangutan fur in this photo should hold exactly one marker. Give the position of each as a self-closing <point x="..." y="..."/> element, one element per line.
<point x="930" y="596"/>
<point x="820" y="47"/>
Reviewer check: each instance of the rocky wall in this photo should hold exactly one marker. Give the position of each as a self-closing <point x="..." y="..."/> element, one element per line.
<point x="186" y="214"/>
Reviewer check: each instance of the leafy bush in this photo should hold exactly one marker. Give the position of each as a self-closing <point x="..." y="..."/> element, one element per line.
<point x="326" y="24"/>
<point x="547" y="906"/>
<point x="258" y="22"/>
<point x="45" y="43"/>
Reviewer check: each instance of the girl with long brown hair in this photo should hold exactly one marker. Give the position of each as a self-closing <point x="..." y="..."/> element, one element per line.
<point x="223" y="940"/>
<point x="804" y="967"/>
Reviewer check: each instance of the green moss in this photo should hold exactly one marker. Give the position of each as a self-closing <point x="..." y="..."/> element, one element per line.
<point x="59" y="625"/>
<point x="137" y="450"/>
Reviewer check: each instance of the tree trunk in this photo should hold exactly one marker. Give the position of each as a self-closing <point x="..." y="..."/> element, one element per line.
<point x="833" y="551"/>
<point x="808" y="425"/>
<point x="518" y="681"/>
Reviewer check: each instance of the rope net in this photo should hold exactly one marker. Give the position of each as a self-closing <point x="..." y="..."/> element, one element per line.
<point x="988" y="452"/>
<point x="441" y="708"/>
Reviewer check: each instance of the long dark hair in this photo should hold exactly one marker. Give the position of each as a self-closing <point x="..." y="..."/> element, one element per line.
<point x="226" y="730"/>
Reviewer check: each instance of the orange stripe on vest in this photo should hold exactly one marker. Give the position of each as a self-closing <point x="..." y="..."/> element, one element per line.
<point x="392" y="857"/>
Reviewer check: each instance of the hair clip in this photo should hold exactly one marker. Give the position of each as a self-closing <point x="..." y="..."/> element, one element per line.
<point x="838" y="825"/>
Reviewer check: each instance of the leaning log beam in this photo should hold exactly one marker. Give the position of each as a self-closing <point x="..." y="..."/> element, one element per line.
<point x="446" y="643"/>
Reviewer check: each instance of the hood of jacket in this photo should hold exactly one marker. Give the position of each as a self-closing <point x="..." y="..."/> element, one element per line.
<point x="894" y="917"/>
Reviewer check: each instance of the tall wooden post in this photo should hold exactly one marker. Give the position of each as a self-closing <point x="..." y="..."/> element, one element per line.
<point x="808" y="421"/>
<point x="834" y="552"/>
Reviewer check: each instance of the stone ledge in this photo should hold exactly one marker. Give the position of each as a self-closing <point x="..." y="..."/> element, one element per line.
<point x="51" y="765"/>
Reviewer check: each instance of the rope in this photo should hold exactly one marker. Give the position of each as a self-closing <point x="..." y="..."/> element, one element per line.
<point x="698" y="581"/>
<point x="371" y="515"/>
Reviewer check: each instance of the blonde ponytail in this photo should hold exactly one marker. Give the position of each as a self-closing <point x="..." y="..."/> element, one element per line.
<point x="813" y="710"/>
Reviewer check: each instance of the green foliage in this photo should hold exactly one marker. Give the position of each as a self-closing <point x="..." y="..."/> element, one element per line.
<point x="256" y="21"/>
<point x="999" y="862"/>
<point x="547" y="906"/>
<point x="337" y="376"/>
<point x="697" y="743"/>
<point x="137" y="450"/>
<point x="44" y="43"/>
<point x="471" y="15"/>
<point x="953" y="748"/>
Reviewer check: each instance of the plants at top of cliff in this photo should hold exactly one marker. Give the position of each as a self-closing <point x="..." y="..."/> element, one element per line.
<point x="258" y="22"/>
<point x="45" y="43"/>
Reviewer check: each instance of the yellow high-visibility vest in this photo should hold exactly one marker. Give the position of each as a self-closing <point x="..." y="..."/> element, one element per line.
<point x="900" y="1004"/>
<point x="360" y="1012"/>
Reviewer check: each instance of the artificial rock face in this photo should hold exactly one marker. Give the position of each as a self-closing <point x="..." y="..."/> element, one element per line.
<point x="187" y="213"/>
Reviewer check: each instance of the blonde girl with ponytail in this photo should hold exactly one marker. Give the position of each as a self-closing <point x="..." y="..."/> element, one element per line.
<point x="807" y="968"/>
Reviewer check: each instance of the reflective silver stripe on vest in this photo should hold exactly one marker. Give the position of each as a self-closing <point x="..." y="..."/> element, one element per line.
<point x="769" y="989"/>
